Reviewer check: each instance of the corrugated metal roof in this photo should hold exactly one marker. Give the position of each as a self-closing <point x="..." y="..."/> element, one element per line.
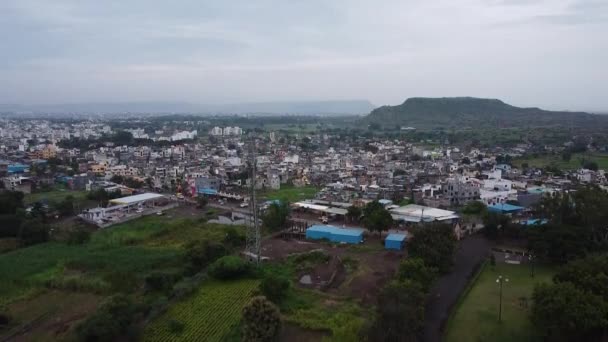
<point x="136" y="198"/>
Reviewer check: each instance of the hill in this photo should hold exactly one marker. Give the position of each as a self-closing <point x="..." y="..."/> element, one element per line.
<point x="475" y="112"/>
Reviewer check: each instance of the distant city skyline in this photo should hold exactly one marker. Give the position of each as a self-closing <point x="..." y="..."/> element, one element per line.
<point x="551" y="54"/>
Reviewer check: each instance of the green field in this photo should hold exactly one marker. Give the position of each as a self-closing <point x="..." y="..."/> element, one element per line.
<point x="476" y="317"/>
<point x="291" y="194"/>
<point x="54" y="196"/>
<point x="132" y="249"/>
<point x="574" y="163"/>
<point x="208" y="315"/>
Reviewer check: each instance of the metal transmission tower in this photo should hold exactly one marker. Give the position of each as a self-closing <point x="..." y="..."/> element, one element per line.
<point x="252" y="248"/>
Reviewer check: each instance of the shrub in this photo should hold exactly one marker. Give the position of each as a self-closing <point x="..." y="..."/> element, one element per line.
<point x="233" y="238"/>
<point x="261" y="320"/>
<point x="79" y="236"/>
<point x="201" y="254"/>
<point x="111" y="320"/>
<point x="161" y="280"/>
<point x="229" y="267"/>
<point x="274" y="287"/>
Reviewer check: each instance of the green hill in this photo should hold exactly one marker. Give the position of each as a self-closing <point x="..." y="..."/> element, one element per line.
<point x="475" y="112"/>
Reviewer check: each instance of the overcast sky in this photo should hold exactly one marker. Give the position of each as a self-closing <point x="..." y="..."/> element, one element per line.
<point x="551" y="53"/>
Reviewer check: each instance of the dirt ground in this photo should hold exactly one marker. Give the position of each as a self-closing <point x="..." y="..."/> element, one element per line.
<point x="294" y="333"/>
<point x="370" y="266"/>
<point x="48" y="316"/>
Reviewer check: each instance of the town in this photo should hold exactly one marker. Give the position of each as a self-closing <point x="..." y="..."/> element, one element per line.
<point x="336" y="212"/>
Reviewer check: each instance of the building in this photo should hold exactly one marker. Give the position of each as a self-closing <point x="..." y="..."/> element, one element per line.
<point x="395" y="241"/>
<point x="335" y="234"/>
<point x="459" y="192"/>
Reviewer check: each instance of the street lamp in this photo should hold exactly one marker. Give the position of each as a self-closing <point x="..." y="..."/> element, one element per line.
<point x="531" y="260"/>
<point x="500" y="281"/>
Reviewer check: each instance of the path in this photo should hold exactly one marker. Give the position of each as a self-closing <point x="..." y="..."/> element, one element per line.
<point x="446" y="291"/>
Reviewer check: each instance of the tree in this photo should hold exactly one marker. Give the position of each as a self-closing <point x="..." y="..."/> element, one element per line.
<point x="590" y="165"/>
<point x="274" y="287"/>
<point x="435" y="244"/>
<point x="558" y="243"/>
<point x="376" y="218"/>
<point x="589" y="274"/>
<point x="563" y="312"/>
<point x="494" y="223"/>
<point x="261" y="320"/>
<point x="466" y="161"/>
<point x="353" y="213"/>
<point x="66" y="206"/>
<point x="400" y="312"/>
<point x="33" y="231"/>
<point x="275" y="216"/>
<point x="118" y="179"/>
<point x="201" y="202"/>
<point x="474" y="208"/>
<point x="414" y="269"/>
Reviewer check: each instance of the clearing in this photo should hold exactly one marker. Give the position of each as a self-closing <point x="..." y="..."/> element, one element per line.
<point x="291" y="194"/>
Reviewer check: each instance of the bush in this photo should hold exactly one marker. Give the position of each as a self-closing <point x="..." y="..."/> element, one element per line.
<point x="229" y="267"/>
<point x="261" y="320"/>
<point x="233" y="238"/>
<point x="111" y="320"/>
<point x="274" y="287"/>
<point x="161" y="280"/>
<point x="201" y="254"/>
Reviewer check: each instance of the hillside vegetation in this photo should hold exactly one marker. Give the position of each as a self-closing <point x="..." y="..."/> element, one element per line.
<point x="474" y="112"/>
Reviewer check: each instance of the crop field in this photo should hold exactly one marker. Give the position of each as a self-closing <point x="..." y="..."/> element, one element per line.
<point x="476" y="318"/>
<point x="574" y="163"/>
<point x="291" y="194"/>
<point x="209" y="315"/>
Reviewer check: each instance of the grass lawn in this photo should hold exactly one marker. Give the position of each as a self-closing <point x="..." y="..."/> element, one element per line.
<point x="476" y="317"/>
<point x="575" y="161"/>
<point x="291" y="194"/>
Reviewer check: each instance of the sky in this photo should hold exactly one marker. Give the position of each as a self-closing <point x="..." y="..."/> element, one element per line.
<point x="552" y="54"/>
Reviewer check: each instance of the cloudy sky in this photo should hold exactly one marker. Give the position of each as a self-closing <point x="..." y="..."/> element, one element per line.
<point x="551" y="53"/>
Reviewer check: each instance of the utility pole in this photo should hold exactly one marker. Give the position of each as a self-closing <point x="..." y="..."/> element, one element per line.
<point x="500" y="281"/>
<point x="253" y="246"/>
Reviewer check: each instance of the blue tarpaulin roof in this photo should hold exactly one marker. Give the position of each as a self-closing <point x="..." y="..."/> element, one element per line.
<point x="336" y="230"/>
<point x="396" y="237"/>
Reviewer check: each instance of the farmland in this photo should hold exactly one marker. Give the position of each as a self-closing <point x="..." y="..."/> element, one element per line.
<point x="557" y="161"/>
<point x="114" y="260"/>
<point x="476" y="318"/>
<point x="208" y="315"/>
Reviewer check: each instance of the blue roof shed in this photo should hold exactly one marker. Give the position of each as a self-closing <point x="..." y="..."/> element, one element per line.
<point x="335" y="234"/>
<point x="395" y="241"/>
<point x="505" y="208"/>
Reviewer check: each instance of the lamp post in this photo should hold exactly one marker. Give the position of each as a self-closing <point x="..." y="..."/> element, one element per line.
<point x="531" y="260"/>
<point x="500" y="281"/>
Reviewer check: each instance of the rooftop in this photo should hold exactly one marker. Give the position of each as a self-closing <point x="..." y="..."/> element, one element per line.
<point x="136" y="198"/>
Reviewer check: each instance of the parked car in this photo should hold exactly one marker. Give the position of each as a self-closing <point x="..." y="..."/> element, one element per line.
<point x="244" y="205"/>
